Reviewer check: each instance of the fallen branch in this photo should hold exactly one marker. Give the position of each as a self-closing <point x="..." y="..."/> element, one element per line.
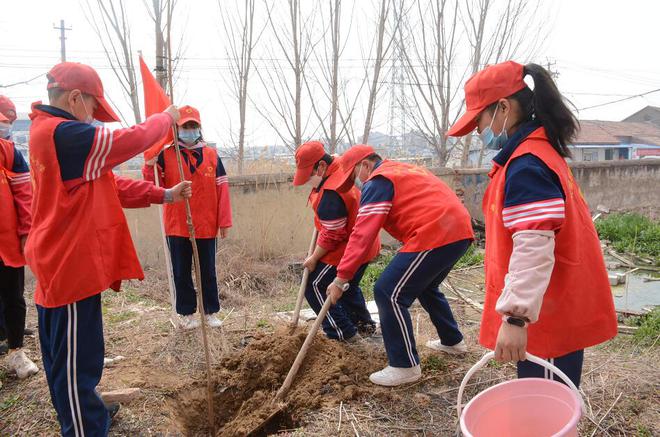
<point x="606" y="414"/>
<point x="630" y="264"/>
<point x="627" y="329"/>
<point x="625" y="261"/>
<point x="467" y="300"/>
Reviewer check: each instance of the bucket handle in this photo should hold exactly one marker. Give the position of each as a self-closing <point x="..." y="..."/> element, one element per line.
<point x="533" y="358"/>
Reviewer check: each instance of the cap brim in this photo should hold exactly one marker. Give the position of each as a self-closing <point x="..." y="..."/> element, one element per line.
<point x="104" y="111"/>
<point x="185" y="120"/>
<point x="3" y="118"/>
<point x="342" y="178"/>
<point x="464" y="125"/>
<point x="302" y="175"/>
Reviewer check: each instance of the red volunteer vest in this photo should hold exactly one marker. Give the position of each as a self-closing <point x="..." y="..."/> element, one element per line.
<point x="10" y="243"/>
<point x="351" y="199"/>
<point x="578" y="309"/>
<point x="425" y="213"/>
<point x="204" y="201"/>
<point x="79" y="244"/>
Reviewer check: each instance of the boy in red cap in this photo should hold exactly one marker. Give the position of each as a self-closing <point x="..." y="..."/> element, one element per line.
<point x="15" y="199"/>
<point x="334" y="217"/>
<point x="419" y="210"/>
<point x="547" y="290"/>
<point x="79" y="244"/>
<point x="211" y="214"/>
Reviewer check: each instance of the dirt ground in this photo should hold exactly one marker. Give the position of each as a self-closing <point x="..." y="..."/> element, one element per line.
<point x="332" y="395"/>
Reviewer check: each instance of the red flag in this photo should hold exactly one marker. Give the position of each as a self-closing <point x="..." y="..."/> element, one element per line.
<point x="155" y="101"/>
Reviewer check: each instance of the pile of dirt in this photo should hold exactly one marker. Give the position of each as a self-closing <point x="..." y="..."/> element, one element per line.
<point x="246" y="383"/>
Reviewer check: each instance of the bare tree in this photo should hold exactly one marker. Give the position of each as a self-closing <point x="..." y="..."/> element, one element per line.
<point x="294" y="42"/>
<point x="239" y="33"/>
<point x="445" y="41"/>
<point x="383" y="51"/>
<point x="161" y="13"/>
<point x="327" y="78"/>
<point x="110" y="23"/>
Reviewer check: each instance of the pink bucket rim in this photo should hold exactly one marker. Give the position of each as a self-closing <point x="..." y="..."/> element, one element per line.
<point x="572" y="423"/>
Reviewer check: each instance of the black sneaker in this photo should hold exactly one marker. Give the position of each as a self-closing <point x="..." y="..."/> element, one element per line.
<point x="366" y="329"/>
<point x="3" y="348"/>
<point x="354" y="339"/>
<point x="29" y="331"/>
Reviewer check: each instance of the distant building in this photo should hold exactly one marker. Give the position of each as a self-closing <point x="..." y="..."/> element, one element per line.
<point x="650" y="114"/>
<point x="20" y="133"/>
<point x="599" y="140"/>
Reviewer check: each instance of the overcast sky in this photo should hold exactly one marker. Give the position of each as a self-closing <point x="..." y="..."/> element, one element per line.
<point x="603" y="50"/>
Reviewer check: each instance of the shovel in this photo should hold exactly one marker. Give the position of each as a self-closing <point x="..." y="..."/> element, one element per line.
<point x="303" y="282"/>
<point x="295" y="367"/>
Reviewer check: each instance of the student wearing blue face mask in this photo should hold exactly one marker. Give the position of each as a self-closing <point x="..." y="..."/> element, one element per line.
<point x="211" y="214"/>
<point x="547" y="291"/>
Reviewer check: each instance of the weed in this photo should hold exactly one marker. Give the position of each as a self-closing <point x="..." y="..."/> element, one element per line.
<point x="8" y="403"/>
<point x="263" y="323"/>
<point x="643" y="431"/>
<point x="472" y="257"/>
<point x="373" y="272"/>
<point x="434" y="363"/>
<point x="494" y="364"/>
<point x="119" y="316"/>
<point x="631" y="233"/>
<point x="649" y="327"/>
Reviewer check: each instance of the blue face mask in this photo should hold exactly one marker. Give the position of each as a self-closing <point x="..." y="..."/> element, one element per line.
<point x="5" y="131"/>
<point x="490" y="140"/>
<point x="358" y="182"/>
<point x="189" y="136"/>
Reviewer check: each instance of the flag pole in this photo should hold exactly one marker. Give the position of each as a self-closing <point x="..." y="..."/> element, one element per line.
<point x="166" y="251"/>
<point x="168" y="260"/>
<point x="191" y="232"/>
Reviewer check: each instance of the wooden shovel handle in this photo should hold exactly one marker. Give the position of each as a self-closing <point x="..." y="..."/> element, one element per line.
<point x="303" y="282"/>
<point x="303" y="351"/>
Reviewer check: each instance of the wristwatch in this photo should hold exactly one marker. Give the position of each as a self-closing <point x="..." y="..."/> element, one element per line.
<point x="515" y="321"/>
<point x="344" y="287"/>
<point x="168" y="197"/>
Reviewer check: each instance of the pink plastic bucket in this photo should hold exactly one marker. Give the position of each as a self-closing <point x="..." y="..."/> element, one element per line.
<point x="522" y="407"/>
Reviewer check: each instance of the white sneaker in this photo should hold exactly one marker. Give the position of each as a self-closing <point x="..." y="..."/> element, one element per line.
<point x="191" y="321"/>
<point x="393" y="376"/>
<point x="456" y="349"/>
<point x="18" y="362"/>
<point x="213" y="321"/>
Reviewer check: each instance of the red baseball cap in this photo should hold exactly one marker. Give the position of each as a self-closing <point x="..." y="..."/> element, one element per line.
<point x="485" y="88"/>
<point x="307" y="156"/>
<point x="188" y="113"/>
<point x="8" y="109"/>
<point x="75" y="76"/>
<point x="350" y="159"/>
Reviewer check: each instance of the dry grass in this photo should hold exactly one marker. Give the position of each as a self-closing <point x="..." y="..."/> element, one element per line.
<point x="268" y="224"/>
<point x="620" y="381"/>
<point x="259" y="166"/>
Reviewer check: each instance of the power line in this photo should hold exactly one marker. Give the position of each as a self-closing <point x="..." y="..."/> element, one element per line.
<point x="23" y="82"/>
<point x="619" y="100"/>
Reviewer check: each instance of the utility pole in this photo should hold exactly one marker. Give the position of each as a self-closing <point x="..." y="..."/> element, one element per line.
<point x="62" y="30"/>
<point x="161" y="71"/>
<point x="550" y="66"/>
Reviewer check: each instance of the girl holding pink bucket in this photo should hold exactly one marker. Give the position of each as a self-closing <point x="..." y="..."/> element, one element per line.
<point x="547" y="290"/>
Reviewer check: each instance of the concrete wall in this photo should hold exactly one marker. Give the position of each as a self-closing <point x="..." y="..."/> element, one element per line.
<point x="618" y="185"/>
